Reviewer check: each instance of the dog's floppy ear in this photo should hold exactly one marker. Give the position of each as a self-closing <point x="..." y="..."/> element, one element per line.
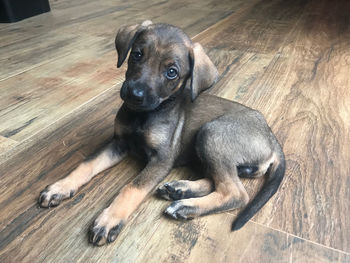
<point x="124" y="39"/>
<point x="203" y="72"/>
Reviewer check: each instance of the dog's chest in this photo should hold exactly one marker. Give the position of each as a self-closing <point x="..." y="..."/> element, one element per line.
<point x="144" y="136"/>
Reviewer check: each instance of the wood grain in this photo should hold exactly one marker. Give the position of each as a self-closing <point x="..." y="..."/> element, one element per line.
<point x="6" y="144"/>
<point x="299" y="81"/>
<point x="51" y="91"/>
<point x="60" y="93"/>
<point x="82" y="27"/>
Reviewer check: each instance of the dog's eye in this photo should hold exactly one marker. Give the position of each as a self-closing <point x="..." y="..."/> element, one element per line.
<point x="171" y="73"/>
<point x="136" y="55"/>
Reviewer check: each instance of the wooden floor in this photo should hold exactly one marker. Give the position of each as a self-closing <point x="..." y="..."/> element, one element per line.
<point x="60" y="91"/>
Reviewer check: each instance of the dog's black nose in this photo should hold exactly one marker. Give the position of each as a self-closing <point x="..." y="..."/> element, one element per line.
<point x="137" y="94"/>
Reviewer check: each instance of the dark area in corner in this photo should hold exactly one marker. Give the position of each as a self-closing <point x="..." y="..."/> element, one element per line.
<point x="16" y="10"/>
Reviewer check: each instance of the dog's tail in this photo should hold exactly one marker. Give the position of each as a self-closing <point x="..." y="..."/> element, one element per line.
<point x="274" y="175"/>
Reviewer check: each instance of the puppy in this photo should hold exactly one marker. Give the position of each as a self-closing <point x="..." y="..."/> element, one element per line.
<point x="166" y="121"/>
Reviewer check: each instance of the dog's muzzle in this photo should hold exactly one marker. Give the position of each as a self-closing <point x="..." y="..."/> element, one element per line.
<point x="137" y="96"/>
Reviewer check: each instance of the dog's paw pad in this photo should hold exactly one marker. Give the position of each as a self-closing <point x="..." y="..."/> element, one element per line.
<point x="53" y="194"/>
<point x="100" y="235"/>
<point x="114" y="232"/>
<point x="171" y="191"/>
<point x="178" y="210"/>
<point x="49" y="198"/>
<point x="97" y="235"/>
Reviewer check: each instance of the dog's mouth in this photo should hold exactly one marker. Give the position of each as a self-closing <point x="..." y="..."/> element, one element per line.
<point x="158" y="105"/>
<point x="140" y="108"/>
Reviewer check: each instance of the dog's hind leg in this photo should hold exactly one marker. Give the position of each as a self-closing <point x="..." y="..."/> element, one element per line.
<point x="182" y="189"/>
<point x="227" y="146"/>
<point x="108" y="156"/>
<point x="216" y="148"/>
<point x="229" y="194"/>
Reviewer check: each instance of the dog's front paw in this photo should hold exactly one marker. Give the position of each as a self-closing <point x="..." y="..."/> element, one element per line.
<point x="105" y="229"/>
<point x="53" y="195"/>
<point x="179" y="210"/>
<point x="174" y="190"/>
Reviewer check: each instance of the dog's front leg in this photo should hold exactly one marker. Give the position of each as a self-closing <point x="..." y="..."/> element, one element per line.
<point x="108" y="156"/>
<point x="110" y="222"/>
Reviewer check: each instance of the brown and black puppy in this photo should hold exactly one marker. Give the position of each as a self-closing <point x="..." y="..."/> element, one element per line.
<point x="166" y="122"/>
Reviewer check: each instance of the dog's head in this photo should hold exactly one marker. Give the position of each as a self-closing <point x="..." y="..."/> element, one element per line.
<point x="162" y="60"/>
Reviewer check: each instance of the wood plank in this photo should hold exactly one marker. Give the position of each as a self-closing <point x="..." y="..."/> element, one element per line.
<point x="308" y="252"/>
<point x="65" y="14"/>
<point x="62" y="14"/>
<point x="209" y="240"/>
<point x="259" y="28"/>
<point x="39" y="51"/>
<point x="51" y="43"/>
<point x="6" y="144"/>
<point x="40" y="97"/>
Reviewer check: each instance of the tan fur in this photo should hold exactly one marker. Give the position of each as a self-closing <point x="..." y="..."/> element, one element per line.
<point x="224" y="195"/>
<point x="69" y="185"/>
<point x="123" y="205"/>
<point x="157" y="135"/>
<point x="177" y="133"/>
<point x="127" y="201"/>
<point x="264" y="166"/>
<point x="119" y="211"/>
<point x="204" y="184"/>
